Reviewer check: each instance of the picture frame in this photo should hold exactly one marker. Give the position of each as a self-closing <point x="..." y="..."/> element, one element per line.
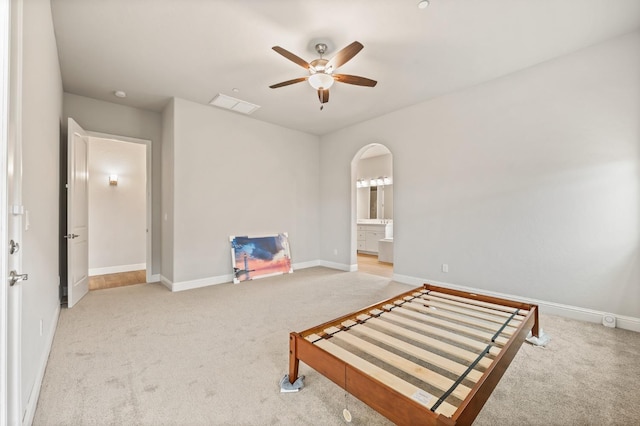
<point x="262" y="256"/>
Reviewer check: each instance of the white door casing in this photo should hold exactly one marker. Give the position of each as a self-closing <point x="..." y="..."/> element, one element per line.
<point x="77" y="214"/>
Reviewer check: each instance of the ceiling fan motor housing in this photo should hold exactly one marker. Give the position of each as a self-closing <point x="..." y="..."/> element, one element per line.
<point x="318" y="65"/>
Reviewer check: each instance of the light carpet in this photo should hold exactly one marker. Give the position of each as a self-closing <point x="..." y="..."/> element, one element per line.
<point x="141" y="355"/>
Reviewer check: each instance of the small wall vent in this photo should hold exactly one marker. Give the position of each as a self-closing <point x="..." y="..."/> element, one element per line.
<point x="237" y="105"/>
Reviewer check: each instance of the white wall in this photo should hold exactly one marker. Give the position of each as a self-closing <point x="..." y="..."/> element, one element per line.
<point x="41" y="115"/>
<point x="374" y="167"/>
<point x="526" y="185"/>
<point x="167" y="190"/>
<point x="236" y="176"/>
<point x="107" y="117"/>
<point x="117" y="213"/>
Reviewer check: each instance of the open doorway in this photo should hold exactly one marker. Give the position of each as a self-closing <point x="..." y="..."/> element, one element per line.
<point x="117" y="219"/>
<point x="372" y="171"/>
<point x="112" y="204"/>
<point x="118" y="209"/>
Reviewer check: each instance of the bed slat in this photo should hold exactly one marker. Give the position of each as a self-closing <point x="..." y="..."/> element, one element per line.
<point x="482" y="335"/>
<point x="430" y="377"/>
<point x="470" y="313"/>
<point x="455" y="317"/>
<point x="496" y="306"/>
<point x="470" y="306"/>
<point x="405" y="388"/>
<point x="422" y="354"/>
<point x="430" y="341"/>
<point x="462" y="340"/>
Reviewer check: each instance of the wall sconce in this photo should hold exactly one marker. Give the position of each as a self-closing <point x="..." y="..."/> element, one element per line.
<point x="113" y="180"/>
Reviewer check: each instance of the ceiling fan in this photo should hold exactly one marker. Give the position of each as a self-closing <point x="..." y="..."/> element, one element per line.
<point x="321" y="71"/>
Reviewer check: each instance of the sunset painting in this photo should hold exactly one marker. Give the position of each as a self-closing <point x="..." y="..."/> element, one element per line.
<point x="259" y="257"/>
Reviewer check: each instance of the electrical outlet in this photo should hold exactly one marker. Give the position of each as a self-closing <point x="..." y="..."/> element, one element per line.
<point x="445" y="267"/>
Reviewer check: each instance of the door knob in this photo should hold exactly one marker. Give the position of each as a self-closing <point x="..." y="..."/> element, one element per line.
<point x="15" y="278"/>
<point x="71" y="236"/>
<point x="13" y="247"/>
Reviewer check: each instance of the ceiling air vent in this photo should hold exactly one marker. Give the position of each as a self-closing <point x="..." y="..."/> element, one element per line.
<point x="227" y="102"/>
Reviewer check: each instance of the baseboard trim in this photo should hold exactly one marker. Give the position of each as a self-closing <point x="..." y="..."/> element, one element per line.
<point x="223" y="279"/>
<point x="193" y="284"/>
<point x="154" y="278"/>
<point x="32" y="403"/>
<point x="567" y="311"/>
<point x="304" y="265"/>
<point x="165" y="281"/>
<point x="117" y="269"/>
<point x="339" y="266"/>
<point x="627" y="323"/>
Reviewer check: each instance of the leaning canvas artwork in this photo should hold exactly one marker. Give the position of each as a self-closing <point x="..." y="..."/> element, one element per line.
<point x="258" y="257"/>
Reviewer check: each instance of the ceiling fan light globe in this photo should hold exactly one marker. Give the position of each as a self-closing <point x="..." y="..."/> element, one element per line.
<point x="320" y="80"/>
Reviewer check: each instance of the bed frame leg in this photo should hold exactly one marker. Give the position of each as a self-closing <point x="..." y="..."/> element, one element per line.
<point x="535" y="330"/>
<point x="292" y="382"/>
<point x="294" y="362"/>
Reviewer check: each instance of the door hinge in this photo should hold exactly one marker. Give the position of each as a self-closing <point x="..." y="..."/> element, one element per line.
<point x="14" y="247"/>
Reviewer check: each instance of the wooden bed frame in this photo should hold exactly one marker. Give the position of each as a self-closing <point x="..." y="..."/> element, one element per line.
<point x="429" y="356"/>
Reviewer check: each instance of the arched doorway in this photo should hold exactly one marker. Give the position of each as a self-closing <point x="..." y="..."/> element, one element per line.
<point x="372" y="210"/>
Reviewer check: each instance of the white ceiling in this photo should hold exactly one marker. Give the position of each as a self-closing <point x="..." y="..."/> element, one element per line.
<point x="193" y="49"/>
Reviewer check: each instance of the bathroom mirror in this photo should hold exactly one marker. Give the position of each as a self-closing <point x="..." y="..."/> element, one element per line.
<point x="375" y="202"/>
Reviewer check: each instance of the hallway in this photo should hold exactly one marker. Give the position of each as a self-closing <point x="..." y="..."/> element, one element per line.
<point x="99" y="282"/>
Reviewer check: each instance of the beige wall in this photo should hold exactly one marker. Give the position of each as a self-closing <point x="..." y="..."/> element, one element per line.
<point x="167" y="190"/>
<point x="526" y="185"/>
<point x="238" y="176"/>
<point x="41" y="114"/>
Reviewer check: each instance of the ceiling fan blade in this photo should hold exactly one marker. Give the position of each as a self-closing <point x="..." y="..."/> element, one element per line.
<point x="354" y="79"/>
<point x="323" y="95"/>
<point x="344" y="55"/>
<point x="293" y="58"/>
<point x="288" y="82"/>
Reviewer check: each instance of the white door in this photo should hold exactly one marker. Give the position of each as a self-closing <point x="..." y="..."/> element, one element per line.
<point x="4" y="234"/>
<point x="11" y="210"/>
<point x="77" y="214"/>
